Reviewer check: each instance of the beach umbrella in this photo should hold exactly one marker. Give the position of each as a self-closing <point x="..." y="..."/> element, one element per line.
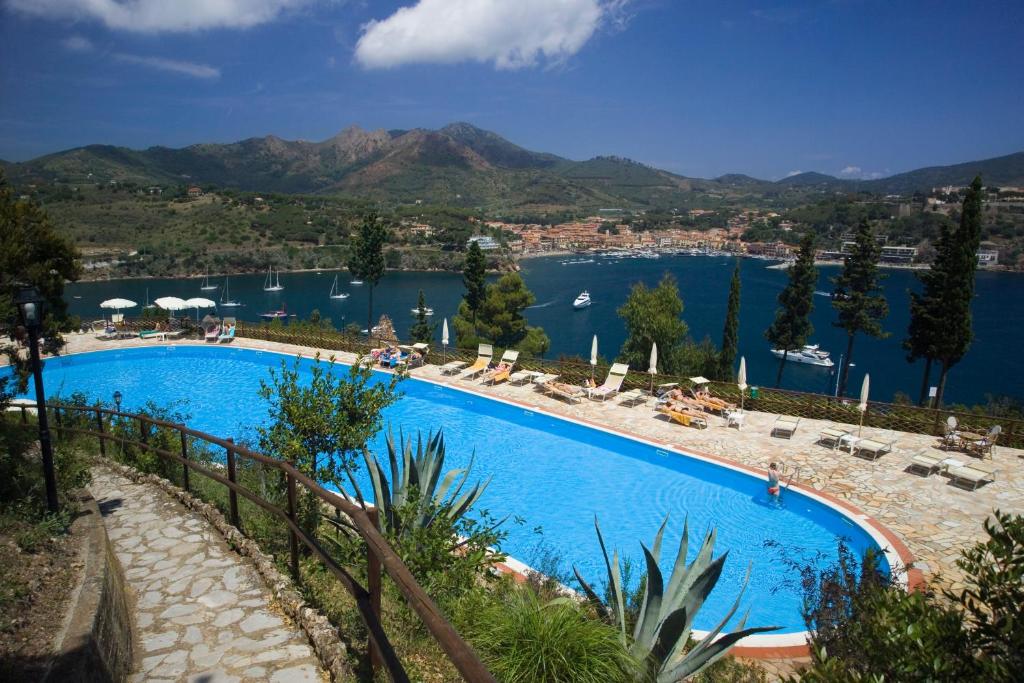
<point x="199" y="302"/>
<point x="444" y="341"/>
<point x="741" y="379"/>
<point x="118" y="304"/>
<point x="593" y="356"/>
<point x="171" y="303"/>
<point x="653" y="368"/>
<point x="863" y="407"/>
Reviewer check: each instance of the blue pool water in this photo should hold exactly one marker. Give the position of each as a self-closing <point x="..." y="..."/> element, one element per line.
<point x="555" y="474"/>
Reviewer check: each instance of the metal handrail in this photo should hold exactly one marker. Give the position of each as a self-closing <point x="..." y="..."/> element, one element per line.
<point x="380" y="553"/>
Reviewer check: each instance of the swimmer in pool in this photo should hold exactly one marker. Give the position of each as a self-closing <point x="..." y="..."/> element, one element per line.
<point x="773" y="480"/>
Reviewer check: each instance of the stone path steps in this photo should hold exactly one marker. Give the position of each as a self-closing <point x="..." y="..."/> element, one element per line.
<point x="201" y="612"/>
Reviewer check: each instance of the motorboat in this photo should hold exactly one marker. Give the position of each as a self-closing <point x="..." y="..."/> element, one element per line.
<point x="274" y="315"/>
<point x="335" y="293"/>
<point x="206" y="286"/>
<point x="426" y="311"/>
<point x="270" y="285"/>
<point x="809" y="354"/>
<point x="225" y="297"/>
<point x="582" y="301"/>
<point x="356" y="282"/>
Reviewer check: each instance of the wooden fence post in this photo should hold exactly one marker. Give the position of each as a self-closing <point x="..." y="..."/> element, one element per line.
<point x="232" y="496"/>
<point x="184" y="455"/>
<point x="24" y="415"/>
<point x="373" y="574"/>
<point x="143" y="432"/>
<point x="102" y="437"/>
<point x="293" y="539"/>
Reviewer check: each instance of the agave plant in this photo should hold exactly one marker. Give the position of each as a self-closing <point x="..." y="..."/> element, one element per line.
<point x="416" y="477"/>
<point x="665" y="621"/>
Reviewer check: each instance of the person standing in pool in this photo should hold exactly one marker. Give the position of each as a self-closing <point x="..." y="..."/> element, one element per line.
<point x="773" y="480"/>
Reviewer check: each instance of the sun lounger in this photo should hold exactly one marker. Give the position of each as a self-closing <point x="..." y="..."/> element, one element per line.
<point x="227" y="337"/>
<point x="153" y="334"/>
<point x="503" y="370"/>
<point x="612" y="383"/>
<point x="684" y="416"/>
<point x="633" y="397"/>
<point x="522" y="377"/>
<point x="568" y="392"/>
<point x="544" y="378"/>
<point x="926" y="463"/>
<point x="211" y="334"/>
<point x="974" y="474"/>
<point x="484" y="354"/>
<point x="109" y="332"/>
<point x="735" y="418"/>
<point x="832" y="437"/>
<point x="453" y="367"/>
<point x="785" y="426"/>
<point x="874" y="449"/>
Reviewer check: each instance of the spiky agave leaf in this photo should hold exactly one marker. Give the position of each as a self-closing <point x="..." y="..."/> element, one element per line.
<point x="650" y="612"/>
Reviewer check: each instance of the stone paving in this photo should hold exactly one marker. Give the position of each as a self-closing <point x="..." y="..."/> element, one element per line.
<point x="934" y="518"/>
<point x="201" y="612"/>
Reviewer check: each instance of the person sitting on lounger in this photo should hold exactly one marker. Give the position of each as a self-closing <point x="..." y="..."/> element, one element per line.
<point x="773" y="480"/>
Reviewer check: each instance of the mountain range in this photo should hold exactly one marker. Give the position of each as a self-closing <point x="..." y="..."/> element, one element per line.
<point x="459" y="163"/>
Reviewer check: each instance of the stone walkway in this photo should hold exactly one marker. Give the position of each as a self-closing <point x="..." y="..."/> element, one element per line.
<point x="202" y="614"/>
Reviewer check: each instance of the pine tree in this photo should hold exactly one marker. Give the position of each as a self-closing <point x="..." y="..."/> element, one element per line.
<point x="474" y="277"/>
<point x="792" y="325"/>
<point x="500" y="319"/>
<point x="366" y="259"/>
<point x="655" y="315"/>
<point x="731" y="330"/>
<point x="958" y="290"/>
<point x="858" y="297"/>
<point x="422" y="331"/>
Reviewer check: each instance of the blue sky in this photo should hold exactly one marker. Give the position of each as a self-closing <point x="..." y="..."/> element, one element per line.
<point x="857" y="88"/>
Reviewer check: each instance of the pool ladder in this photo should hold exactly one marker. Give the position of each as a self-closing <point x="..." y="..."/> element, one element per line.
<point x="795" y="473"/>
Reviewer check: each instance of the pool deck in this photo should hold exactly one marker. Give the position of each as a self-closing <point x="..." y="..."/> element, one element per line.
<point x="927" y="516"/>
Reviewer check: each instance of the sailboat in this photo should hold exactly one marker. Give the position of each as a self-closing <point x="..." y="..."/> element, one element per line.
<point x="225" y="297"/>
<point x="148" y="305"/>
<point x="335" y="294"/>
<point x="206" y="286"/>
<point x="269" y="285"/>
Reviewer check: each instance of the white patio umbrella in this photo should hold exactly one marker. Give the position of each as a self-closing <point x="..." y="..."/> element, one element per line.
<point x="653" y="368"/>
<point x="863" y="407"/>
<point x="118" y="304"/>
<point x="171" y="303"/>
<point x="593" y="357"/>
<point x="741" y="380"/>
<point x="444" y="340"/>
<point x="199" y="302"/>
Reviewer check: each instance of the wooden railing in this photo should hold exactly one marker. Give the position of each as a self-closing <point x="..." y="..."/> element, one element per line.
<point x="380" y="555"/>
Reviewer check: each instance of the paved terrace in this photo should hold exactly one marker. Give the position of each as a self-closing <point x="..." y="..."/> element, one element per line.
<point x="932" y="517"/>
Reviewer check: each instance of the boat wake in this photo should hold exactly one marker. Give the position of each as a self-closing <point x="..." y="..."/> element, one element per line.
<point x="821" y="293"/>
<point x="544" y="305"/>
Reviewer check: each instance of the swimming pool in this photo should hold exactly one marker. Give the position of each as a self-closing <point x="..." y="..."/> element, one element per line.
<point x="554" y="473"/>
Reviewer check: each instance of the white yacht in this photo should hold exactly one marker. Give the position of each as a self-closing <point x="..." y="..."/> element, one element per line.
<point x="269" y="285"/>
<point x="335" y="293"/>
<point x="809" y="354"/>
<point x="583" y="300"/>
<point x="426" y="311"/>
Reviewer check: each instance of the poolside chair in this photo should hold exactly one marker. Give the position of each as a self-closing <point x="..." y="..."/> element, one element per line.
<point x="109" y="332"/>
<point x="633" y="397"/>
<point x="785" y="426"/>
<point x="612" y="383"/>
<point x="975" y="474"/>
<point x="735" y="418"/>
<point x="543" y="378"/>
<point x="484" y="354"/>
<point x="520" y="377"/>
<point x="926" y="463"/>
<point x="152" y="334"/>
<point x="983" y="447"/>
<point x="212" y="333"/>
<point x="874" y="449"/>
<point x="684" y="416"/>
<point x="174" y="328"/>
<point x="832" y="437"/>
<point x="503" y="370"/>
<point x="228" y="335"/>
<point x="951" y="438"/>
<point x="453" y="367"/>
<point x="567" y="392"/>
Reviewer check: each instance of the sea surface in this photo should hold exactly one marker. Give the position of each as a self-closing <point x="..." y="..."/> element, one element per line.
<point x="993" y="365"/>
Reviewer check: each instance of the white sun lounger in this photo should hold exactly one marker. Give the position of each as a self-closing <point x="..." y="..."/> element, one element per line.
<point x="612" y="383"/>
<point x="927" y="464"/>
<point x="634" y="397"/>
<point x="874" y="449"/>
<point x="785" y="426"/>
<point x="453" y="367"/>
<point x="832" y="437"/>
<point x="975" y="474"/>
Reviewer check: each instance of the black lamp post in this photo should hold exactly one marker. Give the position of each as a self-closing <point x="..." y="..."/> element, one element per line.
<point x="30" y="307"/>
<point x="117" y="400"/>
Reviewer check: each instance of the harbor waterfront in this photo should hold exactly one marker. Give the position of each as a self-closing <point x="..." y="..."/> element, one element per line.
<point x="991" y="366"/>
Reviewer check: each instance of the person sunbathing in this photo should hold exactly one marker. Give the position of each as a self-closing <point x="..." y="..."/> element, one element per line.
<point x="564" y="388"/>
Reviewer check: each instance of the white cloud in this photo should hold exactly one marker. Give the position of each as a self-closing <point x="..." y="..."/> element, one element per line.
<point x="851" y="171"/>
<point x="154" y="16"/>
<point x="172" y="65"/>
<point x="511" y="34"/>
<point x="77" y="44"/>
<point x="793" y="173"/>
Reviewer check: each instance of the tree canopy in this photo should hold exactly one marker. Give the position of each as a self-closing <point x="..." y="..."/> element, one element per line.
<point x="730" y="330"/>
<point x="792" y="325"/>
<point x="366" y="259"/>
<point x="655" y="316"/>
<point x="474" y="277"/>
<point x="422" y="330"/>
<point x="500" y="319"/>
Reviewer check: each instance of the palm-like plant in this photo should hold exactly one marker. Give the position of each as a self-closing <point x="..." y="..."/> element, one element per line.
<point x="665" y="621"/>
<point x="415" y="478"/>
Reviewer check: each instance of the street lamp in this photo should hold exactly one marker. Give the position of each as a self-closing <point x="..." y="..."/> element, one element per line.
<point x="30" y="305"/>
<point x="117" y="400"/>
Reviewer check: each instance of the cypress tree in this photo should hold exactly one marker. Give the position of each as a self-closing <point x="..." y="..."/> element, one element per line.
<point x="958" y="291"/>
<point x="858" y="297"/>
<point x="925" y="327"/>
<point x="422" y="330"/>
<point x="731" y="330"/>
<point x="474" y="277"/>
<point x="366" y="259"/>
<point x="792" y="325"/>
